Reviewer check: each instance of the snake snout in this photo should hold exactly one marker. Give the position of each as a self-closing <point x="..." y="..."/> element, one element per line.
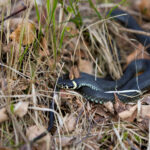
<point x="62" y="85"/>
<point x="67" y="84"/>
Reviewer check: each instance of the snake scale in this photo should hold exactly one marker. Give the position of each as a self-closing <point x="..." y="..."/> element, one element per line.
<point x="96" y="89"/>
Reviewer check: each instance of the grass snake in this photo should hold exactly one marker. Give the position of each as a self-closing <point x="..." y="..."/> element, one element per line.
<point x="96" y="89"/>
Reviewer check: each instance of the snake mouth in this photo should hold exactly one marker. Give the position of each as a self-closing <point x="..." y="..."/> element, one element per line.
<point x="62" y="86"/>
<point x="67" y="84"/>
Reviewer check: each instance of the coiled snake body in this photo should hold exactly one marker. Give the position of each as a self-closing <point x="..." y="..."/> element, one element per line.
<point x="95" y="89"/>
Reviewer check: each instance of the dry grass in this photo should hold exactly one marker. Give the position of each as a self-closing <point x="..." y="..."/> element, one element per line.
<point x="27" y="76"/>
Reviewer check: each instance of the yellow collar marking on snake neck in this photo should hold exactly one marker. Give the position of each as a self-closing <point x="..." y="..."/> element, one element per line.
<point x="74" y="85"/>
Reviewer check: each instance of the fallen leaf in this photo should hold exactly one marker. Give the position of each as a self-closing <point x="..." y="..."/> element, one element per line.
<point x="21" y="108"/>
<point x="145" y="111"/>
<point x="86" y="66"/>
<point x="65" y="141"/>
<point x="3" y="115"/>
<point x="99" y="111"/>
<point x="70" y="122"/>
<point x="109" y="107"/>
<point x="119" y="106"/>
<point x="25" y="32"/>
<point x="34" y="131"/>
<point x="130" y="114"/>
<point x="144" y="7"/>
<point x="43" y="143"/>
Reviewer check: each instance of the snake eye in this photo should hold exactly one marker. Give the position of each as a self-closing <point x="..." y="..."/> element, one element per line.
<point x="68" y="84"/>
<point x="64" y="86"/>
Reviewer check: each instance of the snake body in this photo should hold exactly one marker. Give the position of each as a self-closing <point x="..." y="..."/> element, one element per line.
<point x="129" y="22"/>
<point x="96" y="89"/>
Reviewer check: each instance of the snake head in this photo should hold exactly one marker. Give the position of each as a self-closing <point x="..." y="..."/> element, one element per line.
<point x="66" y="84"/>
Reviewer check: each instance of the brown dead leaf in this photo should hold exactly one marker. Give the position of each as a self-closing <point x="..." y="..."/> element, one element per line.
<point x="34" y="131"/>
<point x="26" y="32"/>
<point x="21" y="109"/>
<point x="144" y="7"/>
<point x="145" y="111"/>
<point x="65" y="141"/>
<point x="119" y="106"/>
<point x="3" y="115"/>
<point x="70" y="122"/>
<point x="130" y="114"/>
<point x="86" y="66"/>
<point x="109" y="106"/>
<point x="99" y="110"/>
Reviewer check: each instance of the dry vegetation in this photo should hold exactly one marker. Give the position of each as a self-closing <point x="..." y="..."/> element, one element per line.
<point x="49" y="39"/>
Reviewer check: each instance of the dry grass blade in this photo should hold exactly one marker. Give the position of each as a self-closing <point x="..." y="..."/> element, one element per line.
<point x="120" y="139"/>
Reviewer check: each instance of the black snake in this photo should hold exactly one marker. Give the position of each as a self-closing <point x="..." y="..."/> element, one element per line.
<point x="97" y="89"/>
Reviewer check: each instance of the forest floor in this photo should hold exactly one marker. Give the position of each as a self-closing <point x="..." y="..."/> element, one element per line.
<point x="41" y="41"/>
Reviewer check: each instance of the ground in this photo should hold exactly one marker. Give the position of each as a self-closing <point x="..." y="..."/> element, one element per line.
<point x="47" y="39"/>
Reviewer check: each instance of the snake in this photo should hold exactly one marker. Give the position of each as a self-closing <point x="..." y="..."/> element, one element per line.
<point x="130" y="87"/>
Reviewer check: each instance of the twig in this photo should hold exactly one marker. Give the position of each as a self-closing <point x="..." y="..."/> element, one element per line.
<point x="14" y="13"/>
<point x="120" y="139"/>
<point x="135" y="31"/>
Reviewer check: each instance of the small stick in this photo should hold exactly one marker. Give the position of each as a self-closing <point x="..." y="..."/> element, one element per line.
<point x="14" y="13"/>
<point x="135" y="31"/>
